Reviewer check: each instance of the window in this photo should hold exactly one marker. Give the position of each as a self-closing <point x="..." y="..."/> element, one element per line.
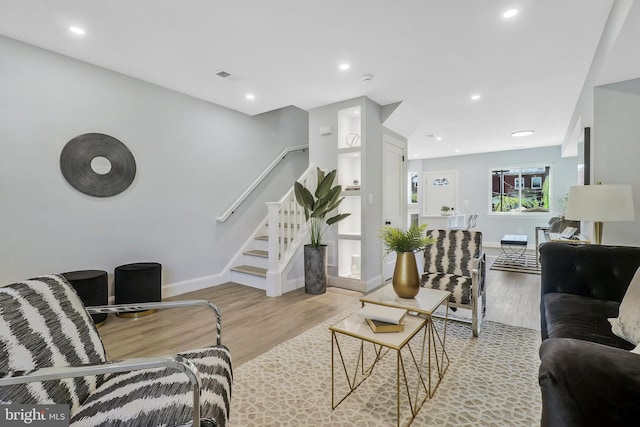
<point x="520" y="189"/>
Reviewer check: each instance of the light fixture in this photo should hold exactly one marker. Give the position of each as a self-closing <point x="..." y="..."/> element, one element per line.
<point x="600" y="203"/>
<point x="77" y="30"/>
<point x="250" y="96"/>
<point x="510" y="13"/>
<point x="438" y="138"/>
<point x="520" y="133"/>
<point x="344" y="67"/>
<point x="475" y="97"/>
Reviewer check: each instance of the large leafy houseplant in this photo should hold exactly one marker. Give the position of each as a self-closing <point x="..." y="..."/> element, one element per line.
<point x="318" y="205"/>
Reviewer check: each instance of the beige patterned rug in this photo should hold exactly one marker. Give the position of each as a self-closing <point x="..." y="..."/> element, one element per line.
<point x="491" y="381"/>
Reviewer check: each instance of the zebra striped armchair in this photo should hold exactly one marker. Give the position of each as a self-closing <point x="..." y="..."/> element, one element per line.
<point x="51" y="353"/>
<point x="456" y="263"/>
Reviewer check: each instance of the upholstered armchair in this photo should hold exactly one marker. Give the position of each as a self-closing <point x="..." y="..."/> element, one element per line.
<point x="51" y="353"/>
<point x="456" y="263"/>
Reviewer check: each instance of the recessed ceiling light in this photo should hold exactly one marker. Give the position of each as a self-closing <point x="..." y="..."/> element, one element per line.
<point x="344" y="67"/>
<point x="522" y="133"/>
<point x="250" y="96"/>
<point x="475" y="97"/>
<point x="438" y="138"/>
<point x="77" y="30"/>
<point x="356" y="112"/>
<point x="510" y="13"/>
<point x="457" y="150"/>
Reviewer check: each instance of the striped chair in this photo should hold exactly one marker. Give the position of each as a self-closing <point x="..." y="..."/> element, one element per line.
<point x="456" y="263"/>
<point x="51" y="353"/>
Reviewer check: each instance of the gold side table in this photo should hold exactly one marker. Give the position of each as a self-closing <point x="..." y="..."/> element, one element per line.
<point x="432" y="343"/>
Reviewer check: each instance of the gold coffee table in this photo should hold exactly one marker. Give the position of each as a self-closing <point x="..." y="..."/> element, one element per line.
<point x="421" y="309"/>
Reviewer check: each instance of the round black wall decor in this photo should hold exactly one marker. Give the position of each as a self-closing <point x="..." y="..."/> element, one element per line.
<point x="97" y="164"/>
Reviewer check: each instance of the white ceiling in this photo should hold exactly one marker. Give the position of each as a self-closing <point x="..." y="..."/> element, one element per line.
<point x="430" y="54"/>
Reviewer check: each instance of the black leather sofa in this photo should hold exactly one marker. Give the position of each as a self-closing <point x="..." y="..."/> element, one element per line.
<point x="587" y="375"/>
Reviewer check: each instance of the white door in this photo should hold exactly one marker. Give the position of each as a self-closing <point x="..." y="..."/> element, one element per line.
<point x="394" y="193"/>
<point x="440" y="189"/>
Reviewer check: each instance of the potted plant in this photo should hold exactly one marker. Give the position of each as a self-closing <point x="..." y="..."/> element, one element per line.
<point x="316" y="207"/>
<point x="405" y="243"/>
<point x="446" y="210"/>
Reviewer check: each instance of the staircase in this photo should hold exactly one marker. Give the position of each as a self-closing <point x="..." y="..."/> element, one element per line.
<point x="268" y="255"/>
<point x="255" y="263"/>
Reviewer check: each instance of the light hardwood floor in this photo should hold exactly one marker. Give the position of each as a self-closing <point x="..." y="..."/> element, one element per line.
<point x="253" y="323"/>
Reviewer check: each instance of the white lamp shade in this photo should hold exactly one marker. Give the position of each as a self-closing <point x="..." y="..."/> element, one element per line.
<point x="611" y="202"/>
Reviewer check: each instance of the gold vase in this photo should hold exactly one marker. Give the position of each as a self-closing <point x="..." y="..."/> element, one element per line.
<point x="406" y="280"/>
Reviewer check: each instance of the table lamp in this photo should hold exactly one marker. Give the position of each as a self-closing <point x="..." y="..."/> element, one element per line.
<point x="600" y="203"/>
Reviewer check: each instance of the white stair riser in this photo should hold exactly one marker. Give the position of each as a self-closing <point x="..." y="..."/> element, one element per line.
<point x="249" y="280"/>
<point x="261" y="245"/>
<point x="255" y="261"/>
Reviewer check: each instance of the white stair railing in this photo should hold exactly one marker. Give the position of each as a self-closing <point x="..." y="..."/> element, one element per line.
<point x="287" y="231"/>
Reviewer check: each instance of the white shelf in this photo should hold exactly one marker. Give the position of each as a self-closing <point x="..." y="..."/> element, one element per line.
<point x="349" y="151"/>
<point x="350" y="174"/>
<point x="350" y="236"/>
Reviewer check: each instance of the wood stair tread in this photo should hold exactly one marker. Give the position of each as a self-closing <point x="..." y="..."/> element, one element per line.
<point x="258" y="253"/>
<point x="286" y="239"/>
<point x="248" y="269"/>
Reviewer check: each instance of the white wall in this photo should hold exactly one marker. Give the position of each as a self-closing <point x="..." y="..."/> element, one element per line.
<point x="193" y="160"/>
<point x="616" y="150"/>
<point x="473" y="186"/>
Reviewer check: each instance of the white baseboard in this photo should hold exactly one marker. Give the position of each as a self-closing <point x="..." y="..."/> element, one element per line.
<point x="179" y="288"/>
<point x="292" y="285"/>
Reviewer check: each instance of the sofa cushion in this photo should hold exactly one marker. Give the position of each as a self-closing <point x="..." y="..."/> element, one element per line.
<point x="584" y="318"/>
<point x="585" y="384"/>
<point x="627" y="324"/>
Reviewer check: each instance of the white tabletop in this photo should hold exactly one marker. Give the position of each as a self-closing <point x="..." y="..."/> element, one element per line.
<point x="426" y="302"/>
<point x="358" y="327"/>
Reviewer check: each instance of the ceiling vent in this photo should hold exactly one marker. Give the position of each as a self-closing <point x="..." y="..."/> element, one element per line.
<point x="223" y="74"/>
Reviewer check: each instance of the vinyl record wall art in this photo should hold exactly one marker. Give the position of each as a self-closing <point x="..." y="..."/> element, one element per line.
<point x="97" y="164"/>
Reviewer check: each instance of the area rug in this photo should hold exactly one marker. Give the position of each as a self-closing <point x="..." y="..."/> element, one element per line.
<point x="525" y="264"/>
<point x="491" y="381"/>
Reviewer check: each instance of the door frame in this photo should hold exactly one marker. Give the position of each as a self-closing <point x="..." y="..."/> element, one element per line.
<point x="390" y="140"/>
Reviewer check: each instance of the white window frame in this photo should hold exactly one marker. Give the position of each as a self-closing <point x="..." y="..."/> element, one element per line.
<point x="521" y="167"/>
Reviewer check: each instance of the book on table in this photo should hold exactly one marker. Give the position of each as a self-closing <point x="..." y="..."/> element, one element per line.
<point x="383" y="313"/>
<point x="380" y="326"/>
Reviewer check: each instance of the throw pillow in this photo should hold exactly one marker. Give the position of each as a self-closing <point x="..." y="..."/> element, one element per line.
<point x="627" y="324"/>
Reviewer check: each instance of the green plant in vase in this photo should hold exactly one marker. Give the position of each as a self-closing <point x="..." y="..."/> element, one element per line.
<point x="317" y="207"/>
<point x="405" y="243"/>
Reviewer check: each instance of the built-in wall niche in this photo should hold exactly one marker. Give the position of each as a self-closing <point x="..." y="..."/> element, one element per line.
<point x="350" y="226"/>
<point x="349" y="167"/>
<point x="349" y="128"/>
<point x="349" y="264"/>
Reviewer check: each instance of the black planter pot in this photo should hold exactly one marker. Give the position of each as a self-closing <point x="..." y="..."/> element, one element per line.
<point x="315" y="269"/>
